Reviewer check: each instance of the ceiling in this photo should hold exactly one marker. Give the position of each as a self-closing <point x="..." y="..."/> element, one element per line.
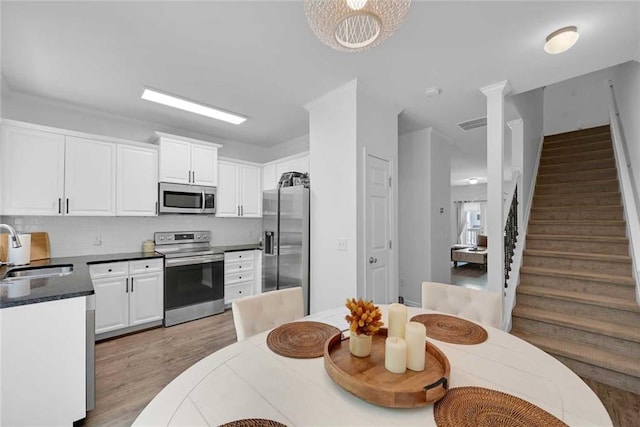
<point x="260" y="59"/>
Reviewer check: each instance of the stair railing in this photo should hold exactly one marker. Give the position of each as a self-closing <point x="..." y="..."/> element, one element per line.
<point x="511" y="226"/>
<point x="627" y="187"/>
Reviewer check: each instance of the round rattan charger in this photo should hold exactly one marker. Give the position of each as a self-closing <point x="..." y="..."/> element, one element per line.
<point x="300" y="340"/>
<point x="482" y="407"/>
<point x="451" y="329"/>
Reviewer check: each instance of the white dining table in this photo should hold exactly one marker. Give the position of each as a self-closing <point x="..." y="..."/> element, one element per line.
<point x="248" y="380"/>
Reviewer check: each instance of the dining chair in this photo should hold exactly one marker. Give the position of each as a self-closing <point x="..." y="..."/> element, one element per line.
<point x="258" y="313"/>
<point x="481" y="306"/>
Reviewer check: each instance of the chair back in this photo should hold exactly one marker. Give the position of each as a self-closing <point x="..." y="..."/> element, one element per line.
<point x="258" y="313"/>
<point x="481" y="306"/>
<point x="482" y="240"/>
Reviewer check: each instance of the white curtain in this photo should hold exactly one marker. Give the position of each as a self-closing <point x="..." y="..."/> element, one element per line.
<point x="464" y="209"/>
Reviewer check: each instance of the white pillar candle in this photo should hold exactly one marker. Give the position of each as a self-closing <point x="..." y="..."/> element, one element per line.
<point x="415" y="336"/>
<point x="395" y="355"/>
<point x="397" y="320"/>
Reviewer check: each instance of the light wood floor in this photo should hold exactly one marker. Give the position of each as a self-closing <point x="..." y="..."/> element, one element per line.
<point x="469" y="276"/>
<point x="131" y="370"/>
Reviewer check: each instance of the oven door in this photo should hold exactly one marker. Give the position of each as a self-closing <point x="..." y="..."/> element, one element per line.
<point x="193" y="280"/>
<point x="186" y="199"/>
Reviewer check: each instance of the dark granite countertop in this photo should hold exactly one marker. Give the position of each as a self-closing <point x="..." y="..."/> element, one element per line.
<point x="23" y="291"/>
<point x="234" y="248"/>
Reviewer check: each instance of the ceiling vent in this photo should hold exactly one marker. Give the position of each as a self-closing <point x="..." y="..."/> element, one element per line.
<point x="473" y="124"/>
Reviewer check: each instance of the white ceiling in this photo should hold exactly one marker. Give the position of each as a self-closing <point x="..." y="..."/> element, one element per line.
<point x="260" y="59"/>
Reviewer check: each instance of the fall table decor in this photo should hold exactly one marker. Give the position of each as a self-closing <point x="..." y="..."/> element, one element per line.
<point x="364" y="320"/>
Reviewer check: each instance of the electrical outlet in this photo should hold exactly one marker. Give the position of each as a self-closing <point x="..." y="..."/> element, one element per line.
<point x="342" y="244"/>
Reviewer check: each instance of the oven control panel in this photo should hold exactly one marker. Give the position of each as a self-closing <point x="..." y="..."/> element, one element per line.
<point x="182" y="237"/>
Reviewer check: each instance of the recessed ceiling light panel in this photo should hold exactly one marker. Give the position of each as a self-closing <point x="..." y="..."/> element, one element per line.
<point x="192" y="107"/>
<point x="561" y="40"/>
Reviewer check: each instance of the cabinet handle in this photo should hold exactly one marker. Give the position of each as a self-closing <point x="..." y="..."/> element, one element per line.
<point x="67" y="205"/>
<point x="189" y="176"/>
<point x="132" y="285"/>
<point x="156" y="208"/>
<point x="193" y="174"/>
<point x="238" y="210"/>
<point x="59" y="206"/>
<point x="241" y="210"/>
<point x="127" y="288"/>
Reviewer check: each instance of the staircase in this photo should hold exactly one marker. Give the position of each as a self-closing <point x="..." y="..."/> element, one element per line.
<point x="576" y="298"/>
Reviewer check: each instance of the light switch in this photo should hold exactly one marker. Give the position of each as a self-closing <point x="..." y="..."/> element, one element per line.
<point x="342" y="244"/>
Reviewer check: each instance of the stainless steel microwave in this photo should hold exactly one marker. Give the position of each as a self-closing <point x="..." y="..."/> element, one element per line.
<point x="186" y="199"/>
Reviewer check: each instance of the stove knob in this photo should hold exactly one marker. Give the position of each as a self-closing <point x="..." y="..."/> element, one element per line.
<point x="161" y="237"/>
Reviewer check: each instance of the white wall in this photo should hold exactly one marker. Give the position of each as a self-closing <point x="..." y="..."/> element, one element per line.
<point x="576" y="103"/>
<point x="288" y="148"/>
<point x="530" y="107"/>
<point x="55" y="113"/>
<point x="424" y="232"/>
<point x="626" y="85"/>
<point x="332" y="148"/>
<point x="72" y="236"/>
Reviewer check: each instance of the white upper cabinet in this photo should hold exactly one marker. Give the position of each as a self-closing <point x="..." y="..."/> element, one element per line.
<point x="250" y="191"/>
<point x="187" y="161"/>
<point x="32" y="172"/>
<point x="90" y="179"/>
<point x="175" y="161"/>
<point x="272" y="171"/>
<point x="137" y="181"/>
<point x="204" y="165"/>
<point x="239" y="190"/>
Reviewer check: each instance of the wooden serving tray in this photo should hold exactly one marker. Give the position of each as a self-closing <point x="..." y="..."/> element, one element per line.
<point x="367" y="378"/>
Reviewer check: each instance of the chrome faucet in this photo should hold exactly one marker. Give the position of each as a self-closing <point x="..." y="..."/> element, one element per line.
<point x="15" y="240"/>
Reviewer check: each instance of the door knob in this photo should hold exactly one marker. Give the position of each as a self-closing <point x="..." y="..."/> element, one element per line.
<point x="372" y="260"/>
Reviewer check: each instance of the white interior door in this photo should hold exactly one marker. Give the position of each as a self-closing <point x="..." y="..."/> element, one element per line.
<point x="378" y="226"/>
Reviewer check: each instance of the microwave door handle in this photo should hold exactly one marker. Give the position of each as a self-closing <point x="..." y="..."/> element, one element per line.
<point x="203" y="201"/>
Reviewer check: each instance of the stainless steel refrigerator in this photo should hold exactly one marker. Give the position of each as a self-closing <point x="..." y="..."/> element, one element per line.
<point x="285" y="226"/>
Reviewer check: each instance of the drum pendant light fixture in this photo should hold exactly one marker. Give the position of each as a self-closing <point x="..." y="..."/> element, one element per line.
<point x="355" y="25"/>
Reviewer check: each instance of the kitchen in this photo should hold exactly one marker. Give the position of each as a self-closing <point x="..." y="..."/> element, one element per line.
<point x="166" y="292"/>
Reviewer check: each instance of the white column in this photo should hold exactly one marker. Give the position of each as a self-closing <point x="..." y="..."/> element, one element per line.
<point x="495" y="165"/>
<point x="517" y="161"/>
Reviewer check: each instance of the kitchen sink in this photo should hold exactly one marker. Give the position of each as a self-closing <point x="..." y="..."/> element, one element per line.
<point x="43" y="271"/>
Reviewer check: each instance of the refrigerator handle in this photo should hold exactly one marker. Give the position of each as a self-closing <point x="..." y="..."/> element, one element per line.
<point x="269" y="243"/>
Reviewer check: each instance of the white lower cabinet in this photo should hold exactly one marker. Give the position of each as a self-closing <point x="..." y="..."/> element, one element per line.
<point x="128" y="294"/>
<point x="242" y="274"/>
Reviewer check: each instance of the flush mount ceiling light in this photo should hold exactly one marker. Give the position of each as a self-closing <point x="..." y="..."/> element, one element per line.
<point x="192" y="107"/>
<point x="473" y="181"/>
<point x="561" y="40"/>
<point x="355" y="25"/>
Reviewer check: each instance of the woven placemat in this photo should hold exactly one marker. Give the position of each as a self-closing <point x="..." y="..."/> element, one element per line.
<point x="451" y="329"/>
<point x="481" y="407"/>
<point x="253" y="422"/>
<point x="300" y="340"/>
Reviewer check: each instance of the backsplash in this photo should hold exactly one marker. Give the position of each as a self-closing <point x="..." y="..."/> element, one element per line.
<point x="71" y="236"/>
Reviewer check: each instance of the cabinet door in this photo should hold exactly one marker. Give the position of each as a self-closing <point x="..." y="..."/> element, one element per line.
<point x="137" y="181"/>
<point x="204" y="165"/>
<point x="250" y="191"/>
<point x="32" y="172"/>
<point x="175" y="161"/>
<point x="146" y="299"/>
<point x="112" y="304"/>
<point x="227" y="190"/>
<point x="90" y="177"/>
<point x="269" y="180"/>
<point x="300" y="165"/>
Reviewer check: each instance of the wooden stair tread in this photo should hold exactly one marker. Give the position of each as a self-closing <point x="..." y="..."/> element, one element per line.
<point x="602" y="150"/>
<point x="581" y="195"/>
<point x="587" y="147"/>
<point x="580" y="133"/>
<point x="581" y="323"/>
<point x="578" y="238"/>
<point x="578" y="221"/>
<point x="574" y="161"/>
<point x="580" y="275"/>
<point x="579" y="255"/>
<point x="587" y="172"/>
<point x="581" y="297"/>
<point x="584" y="353"/>
<point x="578" y="183"/>
<point x="573" y="208"/>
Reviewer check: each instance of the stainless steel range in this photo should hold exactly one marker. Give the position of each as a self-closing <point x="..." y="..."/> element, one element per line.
<point x="193" y="276"/>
